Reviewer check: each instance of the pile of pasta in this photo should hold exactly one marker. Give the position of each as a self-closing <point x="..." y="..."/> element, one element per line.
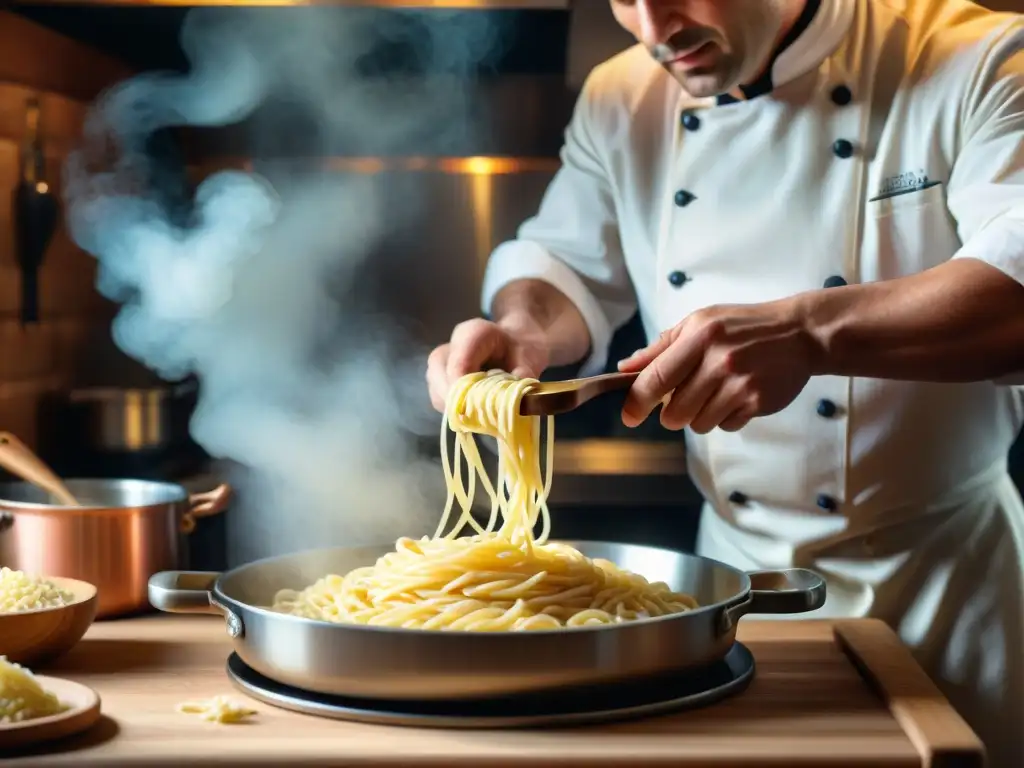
<point x="500" y="576"/>
<point x="20" y="592"/>
<point x="22" y="697"/>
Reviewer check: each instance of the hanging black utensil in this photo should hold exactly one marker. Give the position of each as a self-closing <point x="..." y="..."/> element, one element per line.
<point x="35" y="215"/>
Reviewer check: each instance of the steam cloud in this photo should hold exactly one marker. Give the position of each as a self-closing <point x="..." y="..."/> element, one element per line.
<point x="254" y="286"/>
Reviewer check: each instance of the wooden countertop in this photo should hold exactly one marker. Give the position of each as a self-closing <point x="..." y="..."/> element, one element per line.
<point x="807" y="706"/>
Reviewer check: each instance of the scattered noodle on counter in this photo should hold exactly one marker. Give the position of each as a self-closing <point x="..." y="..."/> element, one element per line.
<point x="503" y="576"/>
<point x="20" y="592"/>
<point x="22" y="697"/>
<point x="219" y="709"/>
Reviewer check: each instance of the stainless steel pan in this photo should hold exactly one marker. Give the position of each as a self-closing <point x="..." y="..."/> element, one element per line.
<point x="377" y="662"/>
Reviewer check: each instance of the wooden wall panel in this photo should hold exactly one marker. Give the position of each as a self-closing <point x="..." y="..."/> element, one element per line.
<point x="34" y="55"/>
<point x="64" y="76"/>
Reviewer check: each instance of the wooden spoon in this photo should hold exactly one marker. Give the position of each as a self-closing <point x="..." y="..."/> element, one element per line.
<point x="18" y="458"/>
<point x="553" y="397"/>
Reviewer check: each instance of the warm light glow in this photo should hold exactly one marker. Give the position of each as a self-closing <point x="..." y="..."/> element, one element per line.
<point x="134" y="423"/>
<point x="42" y="187"/>
<point x="492" y="166"/>
<point x="479" y="166"/>
<point x="474" y="166"/>
<point x="154" y="415"/>
<point x="482" y="185"/>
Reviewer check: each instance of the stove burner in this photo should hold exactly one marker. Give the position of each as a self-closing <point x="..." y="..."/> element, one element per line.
<point x="575" y="707"/>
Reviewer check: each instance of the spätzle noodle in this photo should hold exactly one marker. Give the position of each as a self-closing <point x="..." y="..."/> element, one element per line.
<point x="219" y="709"/>
<point x="20" y="592"/>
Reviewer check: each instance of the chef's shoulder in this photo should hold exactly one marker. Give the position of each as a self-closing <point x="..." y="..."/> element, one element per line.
<point x="959" y="43"/>
<point x="624" y="92"/>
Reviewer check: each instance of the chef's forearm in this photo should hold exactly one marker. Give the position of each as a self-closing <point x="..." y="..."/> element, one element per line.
<point x="536" y="305"/>
<point x="961" y="321"/>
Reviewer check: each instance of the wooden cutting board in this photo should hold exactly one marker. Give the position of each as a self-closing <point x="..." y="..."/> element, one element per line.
<point x="829" y="695"/>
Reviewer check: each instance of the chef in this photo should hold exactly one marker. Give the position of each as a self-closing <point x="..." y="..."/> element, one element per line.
<point x="817" y="207"/>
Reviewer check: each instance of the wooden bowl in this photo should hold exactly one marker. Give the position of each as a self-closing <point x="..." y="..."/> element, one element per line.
<point x="36" y="637"/>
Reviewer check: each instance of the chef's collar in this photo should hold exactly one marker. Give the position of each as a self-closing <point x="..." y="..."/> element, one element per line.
<point x="816" y="34"/>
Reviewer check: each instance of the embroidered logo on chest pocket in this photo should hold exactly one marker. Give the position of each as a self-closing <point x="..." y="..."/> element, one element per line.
<point x="903" y="184"/>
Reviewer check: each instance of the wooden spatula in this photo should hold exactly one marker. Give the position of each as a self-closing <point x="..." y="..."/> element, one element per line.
<point x="553" y="397"/>
<point x="18" y="458"/>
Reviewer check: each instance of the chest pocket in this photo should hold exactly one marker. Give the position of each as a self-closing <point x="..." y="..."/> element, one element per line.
<point x="908" y="233"/>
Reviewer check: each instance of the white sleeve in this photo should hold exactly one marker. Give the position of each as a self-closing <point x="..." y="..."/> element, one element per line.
<point x="573" y="241"/>
<point x="986" y="188"/>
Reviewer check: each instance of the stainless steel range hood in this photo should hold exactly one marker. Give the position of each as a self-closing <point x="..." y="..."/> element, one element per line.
<point x="464" y="5"/>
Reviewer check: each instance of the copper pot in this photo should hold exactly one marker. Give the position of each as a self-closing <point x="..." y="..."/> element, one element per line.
<point x="124" y="532"/>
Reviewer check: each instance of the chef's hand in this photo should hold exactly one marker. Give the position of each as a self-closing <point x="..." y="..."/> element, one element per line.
<point x="515" y="345"/>
<point x="721" y="367"/>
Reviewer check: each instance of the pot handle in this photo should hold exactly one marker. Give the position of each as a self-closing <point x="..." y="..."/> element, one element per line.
<point x="6" y="521"/>
<point x="205" y="504"/>
<point x="183" y="591"/>
<point x="795" y="590"/>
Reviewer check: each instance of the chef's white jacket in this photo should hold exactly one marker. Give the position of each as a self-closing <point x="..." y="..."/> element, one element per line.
<point x="889" y="142"/>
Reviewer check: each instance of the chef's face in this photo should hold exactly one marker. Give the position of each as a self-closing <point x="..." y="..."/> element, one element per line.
<point x="709" y="46"/>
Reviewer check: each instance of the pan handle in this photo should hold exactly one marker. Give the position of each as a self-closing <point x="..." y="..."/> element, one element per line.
<point x="795" y="590"/>
<point x="183" y="591"/>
